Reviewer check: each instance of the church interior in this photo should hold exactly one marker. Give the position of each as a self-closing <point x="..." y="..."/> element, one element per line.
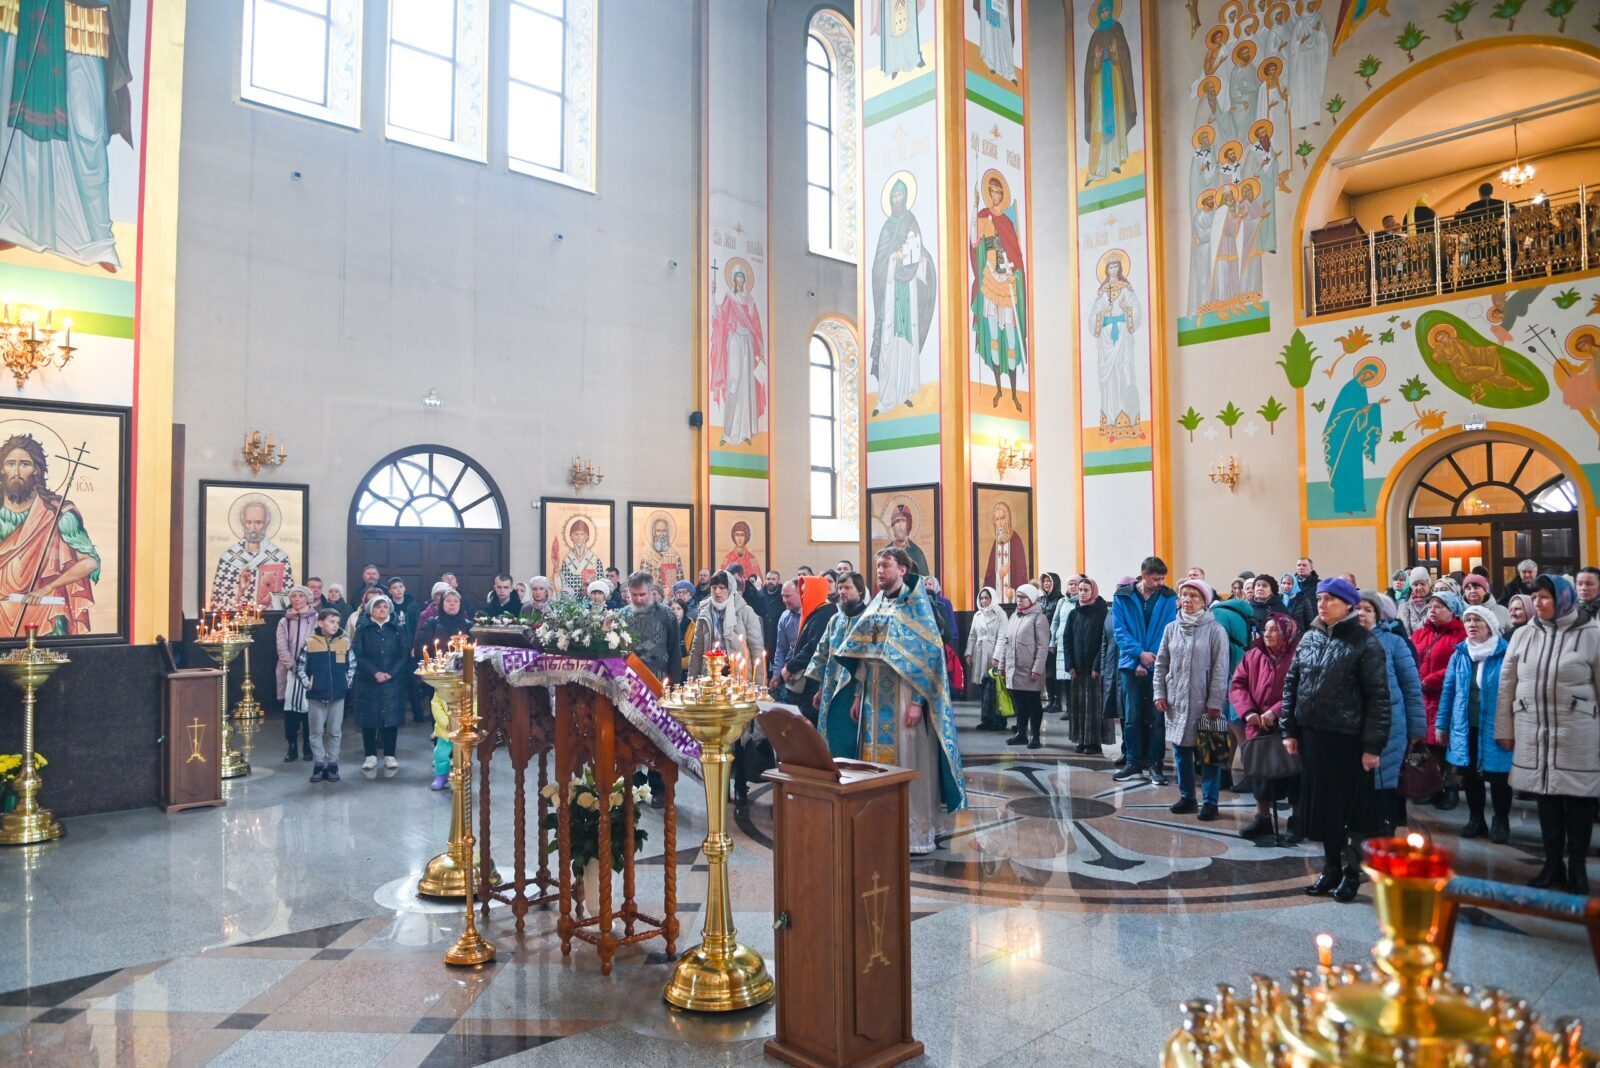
<point x="804" y="569"/>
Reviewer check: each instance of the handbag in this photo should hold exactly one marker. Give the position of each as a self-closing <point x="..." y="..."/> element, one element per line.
<point x="1264" y="757"/>
<point x="1002" y="696"/>
<point x="1214" y="741"/>
<point x="1421" y="774"/>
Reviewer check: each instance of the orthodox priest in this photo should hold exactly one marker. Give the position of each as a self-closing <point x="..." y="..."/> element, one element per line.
<point x="903" y="703"/>
<point x="836" y="699"/>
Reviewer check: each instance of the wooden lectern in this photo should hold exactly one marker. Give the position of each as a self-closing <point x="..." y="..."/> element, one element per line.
<point x="191" y="742"/>
<point x="842" y="883"/>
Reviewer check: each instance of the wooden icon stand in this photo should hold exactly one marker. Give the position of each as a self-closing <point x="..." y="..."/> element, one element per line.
<point x="842" y="884"/>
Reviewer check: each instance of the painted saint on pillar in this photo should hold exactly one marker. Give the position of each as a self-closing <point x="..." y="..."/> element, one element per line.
<point x="997" y="36"/>
<point x="1116" y="317"/>
<point x="738" y="356"/>
<point x="999" y="291"/>
<point x="899" y="35"/>
<point x="1110" y="107"/>
<point x="903" y="287"/>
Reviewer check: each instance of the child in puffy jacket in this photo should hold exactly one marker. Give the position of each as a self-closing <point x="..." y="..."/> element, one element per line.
<point x="324" y="669"/>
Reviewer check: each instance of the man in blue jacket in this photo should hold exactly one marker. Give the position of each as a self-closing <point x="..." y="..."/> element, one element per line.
<point x="1140" y="612"/>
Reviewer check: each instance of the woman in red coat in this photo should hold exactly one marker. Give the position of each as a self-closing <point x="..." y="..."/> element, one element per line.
<point x="1436" y="642"/>
<point x="1256" y="694"/>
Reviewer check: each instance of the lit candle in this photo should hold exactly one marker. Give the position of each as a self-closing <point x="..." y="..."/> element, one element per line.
<point x="1324" y="951"/>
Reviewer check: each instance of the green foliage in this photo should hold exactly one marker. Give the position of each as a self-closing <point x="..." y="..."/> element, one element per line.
<point x="1410" y="39"/>
<point x="1319" y="405"/>
<point x="1229" y="416"/>
<point x="1457" y="13"/>
<point x="1414" y="389"/>
<point x="1397" y="437"/>
<point x="1565" y="299"/>
<point x="1335" y="106"/>
<point x="1368" y="67"/>
<point x="583" y="800"/>
<point x="1386" y="337"/>
<point x="1299" y="357"/>
<point x="1508" y="10"/>
<point x="1560" y="9"/>
<point x="1189" y="420"/>
<point x="1271" y="412"/>
<point x="1304" y="150"/>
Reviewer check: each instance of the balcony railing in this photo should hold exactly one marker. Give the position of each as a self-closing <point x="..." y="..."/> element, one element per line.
<point x="1542" y="237"/>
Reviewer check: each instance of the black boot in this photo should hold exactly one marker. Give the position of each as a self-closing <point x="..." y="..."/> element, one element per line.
<point x="1348" y="886"/>
<point x="1475" y="827"/>
<point x="1021" y="737"/>
<point x="294" y="754"/>
<point x="1580" y="829"/>
<point x="1553" y="874"/>
<point x="1330" y="878"/>
<point x="1577" y="875"/>
<point x="1451" y="798"/>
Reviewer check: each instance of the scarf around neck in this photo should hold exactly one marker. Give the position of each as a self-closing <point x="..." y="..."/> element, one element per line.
<point x="1189" y="623"/>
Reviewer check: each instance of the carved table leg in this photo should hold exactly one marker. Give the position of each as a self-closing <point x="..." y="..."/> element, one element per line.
<point x="485" y="889"/>
<point x="565" y="743"/>
<point x="630" y="908"/>
<point x="605" y="762"/>
<point x="520" y="743"/>
<point x="669" y="839"/>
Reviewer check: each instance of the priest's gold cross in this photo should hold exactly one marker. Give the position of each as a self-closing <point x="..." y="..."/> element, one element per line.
<point x="876" y="902"/>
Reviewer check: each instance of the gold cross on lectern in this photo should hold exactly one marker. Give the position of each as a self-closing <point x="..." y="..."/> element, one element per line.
<point x="197" y="731"/>
<point x="876" y="902"/>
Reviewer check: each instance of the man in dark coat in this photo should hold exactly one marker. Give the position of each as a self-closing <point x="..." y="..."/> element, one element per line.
<point x="1304" y="606"/>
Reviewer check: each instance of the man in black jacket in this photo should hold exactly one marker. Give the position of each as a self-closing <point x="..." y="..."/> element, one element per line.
<point x="503" y="600"/>
<point x="771" y="608"/>
<point x="1304" y="605"/>
<point x="1336" y="712"/>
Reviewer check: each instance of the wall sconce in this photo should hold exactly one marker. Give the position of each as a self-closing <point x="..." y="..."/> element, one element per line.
<point x="585" y="472"/>
<point x="28" y="344"/>
<point x="1013" y="456"/>
<point x="259" y="452"/>
<point x="1226" y="473"/>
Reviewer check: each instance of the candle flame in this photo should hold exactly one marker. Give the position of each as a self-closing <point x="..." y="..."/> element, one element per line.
<point x="1415" y="840"/>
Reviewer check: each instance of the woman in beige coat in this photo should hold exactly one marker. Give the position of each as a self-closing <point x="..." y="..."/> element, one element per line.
<point x="1547" y="716"/>
<point x="1021" y="657"/>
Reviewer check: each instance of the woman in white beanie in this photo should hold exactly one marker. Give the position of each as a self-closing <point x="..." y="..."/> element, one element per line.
<point x="1021" y="659"/>
<point x="1414" y="609"/>
<point x="1191" y="685"/>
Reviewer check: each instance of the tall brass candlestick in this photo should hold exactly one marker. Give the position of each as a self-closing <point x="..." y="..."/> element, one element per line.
<point x="248" y="707"/>
<point x="457" y="688"/>
<point x="28" y="668"/>
<point x="224" y="646"/>
<point x="718" y="975"/>
<point x="449" y="874"/>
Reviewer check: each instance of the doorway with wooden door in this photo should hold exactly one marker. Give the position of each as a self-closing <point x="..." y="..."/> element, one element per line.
<point x="426" y="510"/>
<point x="1494" y="503"/>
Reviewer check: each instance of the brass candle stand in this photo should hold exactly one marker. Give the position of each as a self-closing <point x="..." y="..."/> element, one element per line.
<point x="1403" y="1011"/>
<point x="224" y="644"/>
<point x="451" y="675"/>
<point x="245" y="621"/>
<point x="718" y="975"/>
<point x="446" y="875"/>
<point x="28" y="668"/>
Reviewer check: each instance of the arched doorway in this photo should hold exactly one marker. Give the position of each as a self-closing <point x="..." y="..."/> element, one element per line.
<point x="1494" y="502"/>
<point x="425" y="510"/>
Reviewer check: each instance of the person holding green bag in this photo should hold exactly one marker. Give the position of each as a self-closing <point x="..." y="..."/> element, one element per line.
<point x="988" y="623"/>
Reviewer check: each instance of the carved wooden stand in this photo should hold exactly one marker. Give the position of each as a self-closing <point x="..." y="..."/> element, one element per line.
<point x="520" y="719"/>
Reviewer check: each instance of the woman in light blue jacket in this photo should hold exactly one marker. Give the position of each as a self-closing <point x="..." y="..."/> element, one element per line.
<point x="1408" y="722"/>
<point x="1466" y="723"/>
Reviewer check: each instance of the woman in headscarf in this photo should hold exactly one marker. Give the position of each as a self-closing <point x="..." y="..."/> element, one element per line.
<point x="1546" y="716"/>
<point x="1519" y="608"/>
<point x="381" y="654"/>
<point x="1407" y="721"/>
<point x="1051" y="589"/>
<point x="1336" y="716"/>
<point x="541" y="591"/>
<point x="1265" y="602"/>
<point x="336" y="601"/>
<point x="1414" y="609"/>
<point x="1090" y="648"/>
<point x="294" y="630"/>
<point x="988" y="623"/>
<point x="1466" y="722"/>
<point x="1190" y="684"/>
<point x="1256" y="694"/>
<point x="1021" y="659"/>
<point x="1435" y="642"/>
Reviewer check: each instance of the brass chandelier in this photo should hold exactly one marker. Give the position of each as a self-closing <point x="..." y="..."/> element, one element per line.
<point x="26" y="345"/>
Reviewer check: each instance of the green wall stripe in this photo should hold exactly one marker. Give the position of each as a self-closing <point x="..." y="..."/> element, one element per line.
<point x="912" y="441"/>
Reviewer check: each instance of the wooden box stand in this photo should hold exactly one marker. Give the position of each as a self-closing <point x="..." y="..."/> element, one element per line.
<point x="842" y="883"/>
<point x="191" y="747"/>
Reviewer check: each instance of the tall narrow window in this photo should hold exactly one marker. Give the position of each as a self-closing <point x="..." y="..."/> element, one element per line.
<point x="436" y="75"/>
<point x="832" y="173"/>
<point x="550" y="99"/>
<point x="304" y="56"/>
<point x="824" y="432"/>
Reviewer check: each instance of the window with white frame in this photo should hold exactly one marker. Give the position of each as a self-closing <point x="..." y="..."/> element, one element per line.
<point x="832" y="171"/>
<point x="835" y="431"/>
<point x="436" y="75"/>
<point x="550" y="100"/>
<point x="824" y="431"/>
<point x="304" y="56"/>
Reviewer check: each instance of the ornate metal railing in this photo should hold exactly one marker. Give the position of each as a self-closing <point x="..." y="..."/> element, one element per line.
<point x="1541" y="237"/>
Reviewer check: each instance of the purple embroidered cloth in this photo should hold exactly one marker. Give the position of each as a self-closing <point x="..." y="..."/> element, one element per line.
<point x="615" y="678"/>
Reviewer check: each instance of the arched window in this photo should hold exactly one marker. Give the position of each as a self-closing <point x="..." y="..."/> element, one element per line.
<point x="429" y="488"/>
<point x="832" y="174"/>
<point x="835" y="430"/>
<point x="1498" y="477"/>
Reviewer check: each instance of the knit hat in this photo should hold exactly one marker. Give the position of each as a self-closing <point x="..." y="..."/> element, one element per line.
<point x="1420" y="574"/>
<point x="1375" y="599"/>
<point x="1476" y="580"/>
<point x="1030" y="591"/>
<point x="439" y="590"/>
<point x="1342" y="589"/>
<point x="599" y="584"/>
<point x="1450" y="601"/>
<point x="301" y="590"/>
<point x="1485" y="613"/>
<point x="1271" y="582"/>
<point x="683" y="586"/>
<point x="1206" y="592"/>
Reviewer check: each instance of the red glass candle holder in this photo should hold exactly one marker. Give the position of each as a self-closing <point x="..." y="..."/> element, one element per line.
<point x="1407" y="857"/>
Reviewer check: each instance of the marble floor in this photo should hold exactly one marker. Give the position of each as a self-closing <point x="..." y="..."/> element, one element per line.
<point x="1065" y="916"/>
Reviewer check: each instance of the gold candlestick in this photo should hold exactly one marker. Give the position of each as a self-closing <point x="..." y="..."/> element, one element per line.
<point x="447" y="874"/>
<point x="224" y="646"/>
<point x="456" y="685"/>
<point x="245" y="625"/>
<point x="28" y="668"/>
<point x="718" y="975"/>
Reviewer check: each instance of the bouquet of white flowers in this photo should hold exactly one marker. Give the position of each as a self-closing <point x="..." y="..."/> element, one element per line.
<point x="580" y="628"/>
<point x="584" y="797"/>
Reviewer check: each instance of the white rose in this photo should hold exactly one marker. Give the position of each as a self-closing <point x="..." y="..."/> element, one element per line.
<point x="550" y="792"/>
<point x="562" y="643"/>
<point x="641" y="794"/>
<point x="613" y="639"/>
<point x="586" y="801"/>
<point x="615" y="799"/>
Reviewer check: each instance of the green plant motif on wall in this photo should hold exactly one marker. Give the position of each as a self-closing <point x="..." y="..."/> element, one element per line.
<point x="1427" y="420"/>
<point x="1565" y="299"/>
<point x="1387" y="337"/>
<point x="1560" y="9"/>
<point x="1414" y="389"/>
<point x="1230" y="416"/>
<point x="1475" y="367"/>
<point x="1335" y="106"/>
<point x="1304" y="150"/>
<point x="1457" y="13"/>
<point x="1410" y="39"/>
<point x="1319" y="405"/>
<point x="1190" y="420"/>
<point x="1271" y="412"/>
<point x="1369" y="66"/>
<point x="1508" y="10"/>
<point x="1299" y="357"/>
<point x="1397" y="438"/>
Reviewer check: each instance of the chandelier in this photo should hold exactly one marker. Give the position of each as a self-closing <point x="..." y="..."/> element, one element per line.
<point x="27" y="346"/>
<point x="259" y="452"/>
<point x="1012" y="456"/>
<point x="585" y="472"/>
<point x="1519" y="173"/>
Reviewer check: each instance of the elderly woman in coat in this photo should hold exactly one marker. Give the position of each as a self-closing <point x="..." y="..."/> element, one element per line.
<point x="988" y="622"/>
<point x="1256" y="697"/>
<point x="1408" y="720"/>
<point x="1466" y="722"/>
<point x="1191" y="685"/>
<point x="1090" y="648"/>
<point x="294" y="630"/>
<point x="381" y="653"/>
<point x="1022" y="657"/>
<point x="1547" y="716"/>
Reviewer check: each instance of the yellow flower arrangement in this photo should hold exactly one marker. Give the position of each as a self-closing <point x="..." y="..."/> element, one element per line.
<point x="11" y="763"/>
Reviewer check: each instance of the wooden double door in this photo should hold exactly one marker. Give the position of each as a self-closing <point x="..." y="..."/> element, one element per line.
<point x="421" y="554"/>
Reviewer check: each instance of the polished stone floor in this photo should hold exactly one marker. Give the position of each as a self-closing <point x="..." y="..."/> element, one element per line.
<point x="1062" y="921"/>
